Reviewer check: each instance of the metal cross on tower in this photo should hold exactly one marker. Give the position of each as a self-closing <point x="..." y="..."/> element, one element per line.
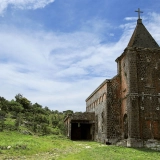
<point x="139" y="12"/>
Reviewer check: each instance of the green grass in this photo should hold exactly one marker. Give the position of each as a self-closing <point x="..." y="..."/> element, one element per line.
<point x="59" y="148"/>
<point x="113" y="153"/>
<point x="93" y="150"/>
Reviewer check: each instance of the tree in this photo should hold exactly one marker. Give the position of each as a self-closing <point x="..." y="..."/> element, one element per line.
<point x="67" y="112"/>
<point x="15" y="106"/>
<point x="2" y="115"/>
<point x="34" y="117"/>
<point x="47" y="109"/>
<point x="3" y="104"/>
<point x="37" y="108"/>
<point x="23" y="101"/>
<point x="36" y="105"/>
<point x="18" y="121"/>
<point x="1" y="125"/>
<point x="18" y="97"/>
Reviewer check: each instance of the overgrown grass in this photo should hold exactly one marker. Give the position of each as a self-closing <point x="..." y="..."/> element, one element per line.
<point x="56" y="147"/>
<point x="113" y="153"/>
<point x="14" y="144"/>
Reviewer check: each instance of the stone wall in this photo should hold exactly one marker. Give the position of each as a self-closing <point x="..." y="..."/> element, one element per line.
<point x="140" y="94"/>
<point x="143" y="97"/>
<point x="81" y="118"/>
<point x="113" y="110"/>
<point x="97" y="97"/>
<point x="132" y="101"/>
<point x="148" y="65"/>
<point x="97" y="102"/>
<point x="88" y="116"/>
<point x="123" y="73"/>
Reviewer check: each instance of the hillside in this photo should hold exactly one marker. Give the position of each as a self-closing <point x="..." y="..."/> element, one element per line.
<point x="27" y="118"/>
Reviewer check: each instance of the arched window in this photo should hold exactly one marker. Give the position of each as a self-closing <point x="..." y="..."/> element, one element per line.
<point x="98" y="100"/>
<point x="104" y="97"/>
<point x="92" y="106"/>
<point x="95" y="103"/>
<point x="101" y="99"/>
<point x="125" y="126"/>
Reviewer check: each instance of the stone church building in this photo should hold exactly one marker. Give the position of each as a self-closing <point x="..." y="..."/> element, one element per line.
<point x="125" y="108"/>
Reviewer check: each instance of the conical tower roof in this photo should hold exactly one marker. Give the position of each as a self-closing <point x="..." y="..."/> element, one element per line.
<point x="141" y="37"/>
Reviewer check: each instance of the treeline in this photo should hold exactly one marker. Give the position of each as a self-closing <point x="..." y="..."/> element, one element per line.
<point x="21" y="115"/>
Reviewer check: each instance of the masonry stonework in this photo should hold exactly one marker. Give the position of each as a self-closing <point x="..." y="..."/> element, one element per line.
<point x="126" y="109"/>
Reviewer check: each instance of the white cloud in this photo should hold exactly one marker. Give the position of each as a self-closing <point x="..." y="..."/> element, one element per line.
<point x="152" y="24"/>
<point x="111" y="34"/>
<point x="24" y="4"/>
<point x="130" y="18"/>
<point x="60" y="70"/>
<point x="51" y="69"/>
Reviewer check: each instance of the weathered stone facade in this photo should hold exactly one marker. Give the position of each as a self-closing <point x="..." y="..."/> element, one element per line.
<point x="80" y="126"/>
<point x="127" y="107"/>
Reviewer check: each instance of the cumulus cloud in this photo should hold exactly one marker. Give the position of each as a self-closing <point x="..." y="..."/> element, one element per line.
<point x="24" y="4"/>
<point x="60" y="70"/>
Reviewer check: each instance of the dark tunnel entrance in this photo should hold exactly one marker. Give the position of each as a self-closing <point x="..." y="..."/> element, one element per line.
<point x="81" y="131"/>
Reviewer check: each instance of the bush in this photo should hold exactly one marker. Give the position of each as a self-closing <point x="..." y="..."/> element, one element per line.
<point x="2" y="113"/>
<point x="10" y="127"/>
<point x="1" y="125"/>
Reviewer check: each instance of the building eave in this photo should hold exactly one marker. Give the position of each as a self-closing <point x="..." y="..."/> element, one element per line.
<point x="100" y="86"/>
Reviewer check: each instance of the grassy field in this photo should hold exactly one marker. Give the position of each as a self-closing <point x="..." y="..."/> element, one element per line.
<point x="16" y="146"/>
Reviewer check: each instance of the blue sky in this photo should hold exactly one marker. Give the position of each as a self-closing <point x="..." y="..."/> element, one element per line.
<point x="57" y="52"/>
